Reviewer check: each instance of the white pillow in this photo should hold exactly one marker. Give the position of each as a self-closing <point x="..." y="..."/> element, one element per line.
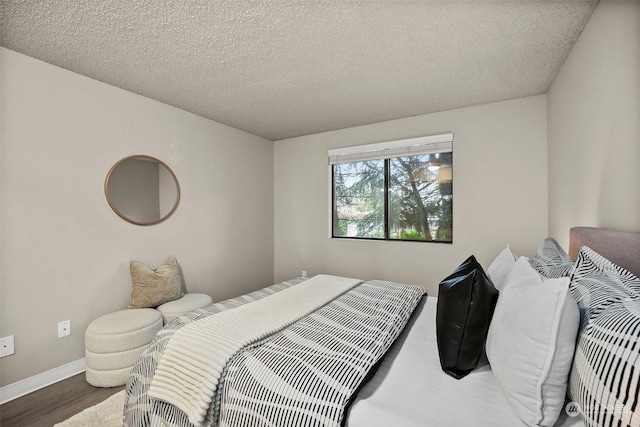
<point x="501" y="266"/>
<point x="531" y="341"/>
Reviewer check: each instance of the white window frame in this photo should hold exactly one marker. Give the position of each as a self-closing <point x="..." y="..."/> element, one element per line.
<point x="384" y="150"/>
<point x="389" y="149"/>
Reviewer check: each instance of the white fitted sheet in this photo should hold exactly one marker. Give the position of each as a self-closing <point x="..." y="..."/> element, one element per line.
<point x="411" y="390"/>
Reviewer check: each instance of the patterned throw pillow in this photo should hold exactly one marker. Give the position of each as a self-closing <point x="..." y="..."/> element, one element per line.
<point x="154" y="287"/>
<point x="605" y="376"/>
<point x="592" y="263"/>
<point x="597" y="283"/>
<point x="551" y="260"/>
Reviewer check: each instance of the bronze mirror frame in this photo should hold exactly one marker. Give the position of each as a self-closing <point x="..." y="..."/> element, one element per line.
<point x="147" y="158"/>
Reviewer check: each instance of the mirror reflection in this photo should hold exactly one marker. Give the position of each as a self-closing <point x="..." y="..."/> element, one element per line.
<point x="142" y="190"/>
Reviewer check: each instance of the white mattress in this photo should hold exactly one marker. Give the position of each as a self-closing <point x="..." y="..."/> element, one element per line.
<point x="410" y="389"/>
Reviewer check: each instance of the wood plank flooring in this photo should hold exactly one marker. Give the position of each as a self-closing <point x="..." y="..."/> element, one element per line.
<point x="53" y="404"/>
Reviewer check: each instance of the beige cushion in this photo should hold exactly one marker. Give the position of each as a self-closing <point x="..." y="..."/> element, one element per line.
<point x="114" y="342"/>
<point x="115" y="360"/>
<point x="187" y="303"/>
<point x="154" y="287"/>
<point x="122" y="330"/>
<point x="110" y="378"/>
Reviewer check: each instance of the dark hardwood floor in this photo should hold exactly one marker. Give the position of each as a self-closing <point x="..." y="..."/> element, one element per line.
<point x="53" y="404"/>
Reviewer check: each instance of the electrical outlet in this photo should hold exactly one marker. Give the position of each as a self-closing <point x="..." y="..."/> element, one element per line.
<point x="64" y="328"/>
<point x="304" y="273"/>
<point x="6" y="346"/>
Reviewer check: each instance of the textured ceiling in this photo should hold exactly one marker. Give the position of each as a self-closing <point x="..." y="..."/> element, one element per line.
<point x="287" y="68"/>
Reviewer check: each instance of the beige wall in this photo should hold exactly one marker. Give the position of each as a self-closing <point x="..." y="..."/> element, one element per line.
<point x="65" y="254"/>
<point x="500" y="195"/>
<point x="594" y="126"/>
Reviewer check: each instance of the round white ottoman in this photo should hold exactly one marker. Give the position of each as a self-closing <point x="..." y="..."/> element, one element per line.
<point x="188" y="302"/>
<point x="114" y="342"/>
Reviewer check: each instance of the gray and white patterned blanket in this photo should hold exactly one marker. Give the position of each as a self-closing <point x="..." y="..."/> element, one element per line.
<point x="304" y="375"/>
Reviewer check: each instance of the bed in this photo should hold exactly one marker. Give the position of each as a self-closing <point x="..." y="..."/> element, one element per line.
<point x="401" y="381"/>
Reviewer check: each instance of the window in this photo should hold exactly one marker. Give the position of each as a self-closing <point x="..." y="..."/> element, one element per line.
<point x="398" y="190"/>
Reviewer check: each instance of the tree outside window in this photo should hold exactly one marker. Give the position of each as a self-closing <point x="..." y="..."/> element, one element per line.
<point x="400" y="198"/>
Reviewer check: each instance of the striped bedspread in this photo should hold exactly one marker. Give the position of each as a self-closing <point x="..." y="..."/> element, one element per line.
<point x="192" y="365"/>
<point x="303" y="375"/>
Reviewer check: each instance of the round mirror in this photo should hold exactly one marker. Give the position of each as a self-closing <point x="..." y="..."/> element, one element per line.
<point x="142" y="190"/>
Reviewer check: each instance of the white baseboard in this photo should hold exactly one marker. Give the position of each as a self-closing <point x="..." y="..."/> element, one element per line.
<point x="36" y="382"/>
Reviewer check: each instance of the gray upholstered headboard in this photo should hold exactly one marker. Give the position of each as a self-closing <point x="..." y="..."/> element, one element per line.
<point x="620" y="247"/>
